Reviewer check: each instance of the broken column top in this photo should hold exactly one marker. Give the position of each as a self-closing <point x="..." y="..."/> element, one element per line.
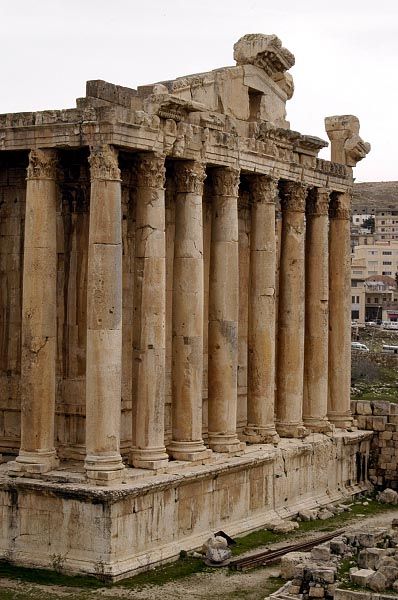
<point x="348" y="148"/>
<point x="264" y="51"/>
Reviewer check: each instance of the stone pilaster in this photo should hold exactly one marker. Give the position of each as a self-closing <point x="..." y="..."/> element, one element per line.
<point x="39" y="318"/>
<point x="187" y="326"/>
<point x="316" y="312"/>
<point x="261" y="324"/>
<point x="223" y="312"/>
<point x="290" y="375"/>
<point x="149" y="343"/>
<point x="339" y="311"/>
<point x="104" y="319"/>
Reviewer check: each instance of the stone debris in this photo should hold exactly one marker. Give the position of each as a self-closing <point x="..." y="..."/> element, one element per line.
<point x="216" y="550"/>
<point x="374" y="564"/>
<point x="388" y="496"/>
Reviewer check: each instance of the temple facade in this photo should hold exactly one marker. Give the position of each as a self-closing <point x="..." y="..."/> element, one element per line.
<point x="174" y="316"/>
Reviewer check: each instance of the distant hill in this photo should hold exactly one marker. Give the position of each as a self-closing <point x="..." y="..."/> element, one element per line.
<point x="371" y="196"/>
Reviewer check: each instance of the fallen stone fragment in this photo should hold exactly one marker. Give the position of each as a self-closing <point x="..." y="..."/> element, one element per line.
<point x="362" y="576"/>
<point x="388" y="496"/>
<point x="377" y="582"/>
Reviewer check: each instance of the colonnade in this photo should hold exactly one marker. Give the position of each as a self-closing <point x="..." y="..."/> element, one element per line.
<point x="298" y="376"/>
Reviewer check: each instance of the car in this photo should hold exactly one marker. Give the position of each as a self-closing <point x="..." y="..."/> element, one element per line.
<point x="359" y="346"/>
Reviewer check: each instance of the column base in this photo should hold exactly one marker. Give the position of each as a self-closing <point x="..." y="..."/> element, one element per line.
<point x="226" y="443"/>
<point x="318" y="425"/>
<point x="149" y="458"/>
<point x="189" y="450"/>
<point x="33" y="462"/>
<point x="103" y="469"/>
<point x="341" y="420"/>
<point x="291" y="430"/>
<point x="260" y="435"/>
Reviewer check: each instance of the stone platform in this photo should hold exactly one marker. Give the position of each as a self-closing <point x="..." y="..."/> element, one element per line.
<point x="58" y="520"/>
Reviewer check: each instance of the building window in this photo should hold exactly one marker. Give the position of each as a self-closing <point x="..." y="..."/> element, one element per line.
<point x="376" y="301"/>
<point x="387" y="262"/>
<point x="386" y="273"/>
<point x="352" y="299"/>
<point x="357" y="299"/>
<point x="387" y="253"/>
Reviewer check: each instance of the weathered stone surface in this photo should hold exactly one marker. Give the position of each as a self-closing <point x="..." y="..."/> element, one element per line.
<point x="388" y="496"/>
<point x="377" y="582"/>
<point x="362" y="576"/>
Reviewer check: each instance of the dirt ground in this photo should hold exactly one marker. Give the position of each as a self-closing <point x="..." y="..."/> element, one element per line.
<point x="219" y="584"/>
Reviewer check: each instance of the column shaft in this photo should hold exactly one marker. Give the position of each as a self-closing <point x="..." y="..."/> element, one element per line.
<point x="149" y="341"/>
<point x="223" y="313"/>
<point x="316" y="312"/>
<point x="261" y="323"/>
<point x="104" y="319"/>
<point x="39" y="318"/>
<point x="339" y="412"/>
<point x="291" y="312"/>
<point x="187" y="328"/>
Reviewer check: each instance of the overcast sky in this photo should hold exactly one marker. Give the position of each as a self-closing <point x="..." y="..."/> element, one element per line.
<point x="346" y="55"/>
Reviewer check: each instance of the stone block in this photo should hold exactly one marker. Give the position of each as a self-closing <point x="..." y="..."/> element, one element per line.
<point x="390" y="572"/>
<point x="388" y="496"/>
<point x="362" y="576"/>
<point x="364" y="408"/>
<point x="321" y="552"/>
<point x="338" y="546"/>
<point x="369" y="557"/>
<point x="327" y="575"/>
<point x="377" y="582"/>
<point x="386" y="435"/>
<point x="316" y="592"/>
<point x="292" y="564"/>
<point x="379" y="423"/>
<point x="362" y="422"/>
<point x="381" y="408"/>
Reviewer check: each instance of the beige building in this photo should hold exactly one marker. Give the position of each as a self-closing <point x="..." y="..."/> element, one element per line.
<point x="175" y="317"/>
<point x="380" y="258"/>
<point x="386" y="224"/>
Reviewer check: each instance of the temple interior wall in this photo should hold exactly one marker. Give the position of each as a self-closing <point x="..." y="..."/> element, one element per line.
<point x="72" y="248"/>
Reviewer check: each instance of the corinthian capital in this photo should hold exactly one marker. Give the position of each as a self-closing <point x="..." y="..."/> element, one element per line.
<point x="293" y="195"/>
<point x="42" y="164"/>
<point x="340" y="206"/>
<point x="150" y="171"/>
<point x="189" y="177"/>
<point x="263" y="189"/>
<point x="318" y="202"/>
<point x="104" y="163"/>
<point x="225" y="181"/>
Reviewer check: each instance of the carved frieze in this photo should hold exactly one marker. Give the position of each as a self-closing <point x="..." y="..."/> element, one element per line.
<point x="189" y="177"/>
<point x="331" y="168"/>
<point x="293" y="195"/>
<point x="103" y="162"/>
<point x="42" y="164"/>
<point x="340" y="206"/>
<point x="318" y="202"/>
<point x="150" y="171"/>
<point x="225" y="181"/>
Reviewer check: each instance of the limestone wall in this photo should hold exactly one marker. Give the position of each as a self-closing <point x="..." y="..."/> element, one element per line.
<point x="382" y="418"/>
<point x="114" y="532"/>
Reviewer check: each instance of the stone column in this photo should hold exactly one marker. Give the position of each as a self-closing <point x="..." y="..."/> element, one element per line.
<point x="339" y="412"/>
<point x="39" y="317"/>
<point x="290" y="376"/>
<point x="316" y="312"/>
<point x="104" y="319"/>
<point x="261" y="327"/>
<point x="187" y="327"/>
<point x="149" y="340"/>
<point x="223" y="313"/>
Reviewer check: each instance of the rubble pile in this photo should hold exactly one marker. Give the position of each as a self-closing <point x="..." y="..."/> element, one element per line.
<point x="373" y="555"/>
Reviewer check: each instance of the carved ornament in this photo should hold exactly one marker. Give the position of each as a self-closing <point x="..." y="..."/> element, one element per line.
<point x="150" y="171"/>
<point x="189" y="177"/>
<point x="42" y="164"/>
<point x="225" y="181"/>
<point x="263" y="189"/>
<point x="340" y="206"/>
<point x="318" y="202"/>
<point x="293" y="195"/>
<point x="103" y="162"/>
